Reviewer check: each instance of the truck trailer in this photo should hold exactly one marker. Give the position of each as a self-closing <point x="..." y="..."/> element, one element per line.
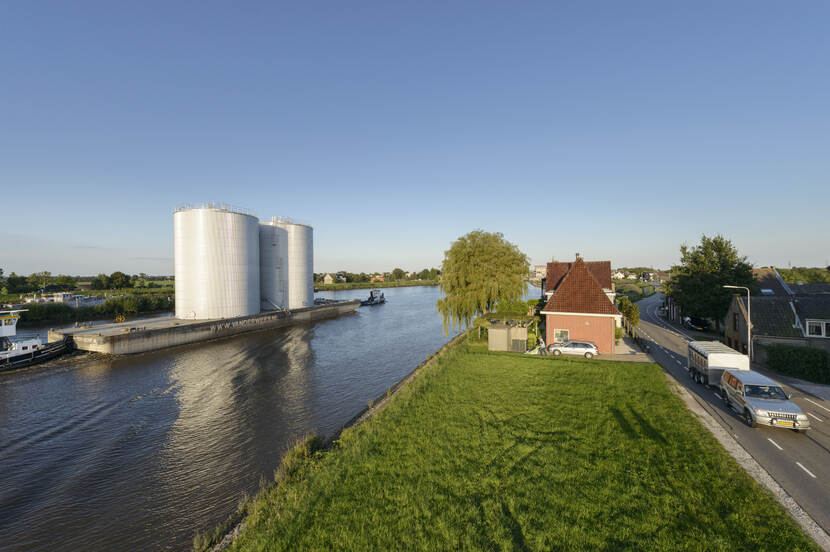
<point x="707" y="360"/>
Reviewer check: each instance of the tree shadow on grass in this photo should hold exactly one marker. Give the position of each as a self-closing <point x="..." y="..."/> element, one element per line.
<point x="624" y="425"/>
<point x="647" y="428"/>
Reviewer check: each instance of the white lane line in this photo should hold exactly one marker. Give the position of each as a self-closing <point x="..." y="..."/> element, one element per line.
<point x="805" y="469"/>
<point x="817" y="404"/>
<point x="718" y="396"/>
<point x="677" y="360"/>
<point x="779" y="447"/>
<point x="814" y="416"/>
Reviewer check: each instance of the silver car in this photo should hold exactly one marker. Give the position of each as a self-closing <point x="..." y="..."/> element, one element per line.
<point x="761" y="401"/>
<point x="580" y="348"/>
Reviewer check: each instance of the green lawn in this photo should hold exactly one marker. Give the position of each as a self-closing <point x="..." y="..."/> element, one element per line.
<point x="495" y="451"/>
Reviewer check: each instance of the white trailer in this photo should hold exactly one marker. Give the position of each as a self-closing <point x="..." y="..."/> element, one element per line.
<point x="707" y="360"/>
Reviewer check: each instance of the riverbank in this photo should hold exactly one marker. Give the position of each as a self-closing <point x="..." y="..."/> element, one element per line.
<point x="40" y="314"/>
<point x="482" y="450"/>
<point x="372" y="285"/>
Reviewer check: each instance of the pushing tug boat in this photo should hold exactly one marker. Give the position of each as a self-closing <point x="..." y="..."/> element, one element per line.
<point x="19" y="353"/>
<point x="375" y="298"/>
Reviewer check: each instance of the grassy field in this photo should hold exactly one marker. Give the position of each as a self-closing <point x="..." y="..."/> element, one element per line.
<point x="633" y="290"/>
<point x="494" y="451"/>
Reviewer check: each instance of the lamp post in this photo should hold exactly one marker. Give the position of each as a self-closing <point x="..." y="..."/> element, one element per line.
<point x="748" y="319"/>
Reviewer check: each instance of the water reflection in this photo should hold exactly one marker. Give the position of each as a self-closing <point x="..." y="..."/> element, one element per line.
<point x="137" y="452"/>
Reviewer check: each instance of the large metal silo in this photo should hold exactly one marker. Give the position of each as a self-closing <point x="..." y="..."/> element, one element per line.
<point x="216" y="250"/>
<point x="273" y="266"/>
<point x="300" y="256"/>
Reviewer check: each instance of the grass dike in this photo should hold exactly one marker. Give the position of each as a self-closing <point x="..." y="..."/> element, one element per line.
<point x="484" y="450"/>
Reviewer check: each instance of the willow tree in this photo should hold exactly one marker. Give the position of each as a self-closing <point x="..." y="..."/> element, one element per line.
<point x="480" y="270"/>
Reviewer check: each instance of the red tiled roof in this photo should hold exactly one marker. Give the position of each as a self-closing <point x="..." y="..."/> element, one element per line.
<point x="601" y="271"/>
<point x="579" y="292"/>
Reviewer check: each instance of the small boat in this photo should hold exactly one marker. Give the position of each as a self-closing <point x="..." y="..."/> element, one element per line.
<point x="19" y="353"/>
<point x="375" y="298"/>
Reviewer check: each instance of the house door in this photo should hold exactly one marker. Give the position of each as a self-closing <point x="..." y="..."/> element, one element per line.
<point x="560" y="336"/>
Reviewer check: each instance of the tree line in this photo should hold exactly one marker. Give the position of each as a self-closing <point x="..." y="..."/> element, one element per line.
<point x="39" y="281"/>
<point x="397" y="274"/>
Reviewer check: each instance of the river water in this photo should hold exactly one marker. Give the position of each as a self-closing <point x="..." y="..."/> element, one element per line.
<point x="136" y="453"/>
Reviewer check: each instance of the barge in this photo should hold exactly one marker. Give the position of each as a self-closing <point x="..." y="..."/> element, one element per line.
<point x="22" y="352"/>
<point x="151" y="334"/>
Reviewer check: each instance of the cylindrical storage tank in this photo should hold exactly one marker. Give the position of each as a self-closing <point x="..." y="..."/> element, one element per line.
<point x="216" y="250"/>
<point x="273" y="266"/>
<point x="300" y="256"/>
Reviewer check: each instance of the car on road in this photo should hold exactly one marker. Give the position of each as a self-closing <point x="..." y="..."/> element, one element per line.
<point x="579" y="348"/>
<point x="695" y="323"/>
<point x="761" y="400"/>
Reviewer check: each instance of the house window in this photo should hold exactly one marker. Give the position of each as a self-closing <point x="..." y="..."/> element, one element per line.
<point x="561" y="336"/>
<point x="818" y="328"/>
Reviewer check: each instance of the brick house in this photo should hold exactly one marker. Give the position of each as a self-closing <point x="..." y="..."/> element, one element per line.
<point x="580" y="306"/>
<point x="787" y="314"/>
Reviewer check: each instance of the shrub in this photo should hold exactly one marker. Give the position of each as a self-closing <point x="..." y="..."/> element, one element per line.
<point x="799" y="362"/>
<point x="618" y="332"/>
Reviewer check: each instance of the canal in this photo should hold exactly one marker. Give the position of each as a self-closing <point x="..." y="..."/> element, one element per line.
<point x="138" y="452"/>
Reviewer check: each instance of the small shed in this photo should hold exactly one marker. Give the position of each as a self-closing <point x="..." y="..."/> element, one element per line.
<point x="505" y="336"/>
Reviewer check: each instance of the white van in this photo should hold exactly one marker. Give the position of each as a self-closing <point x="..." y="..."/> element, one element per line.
<point x="707" y="360"/>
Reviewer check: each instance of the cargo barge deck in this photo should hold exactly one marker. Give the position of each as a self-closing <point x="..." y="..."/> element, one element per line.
<point x="151" y="334"/>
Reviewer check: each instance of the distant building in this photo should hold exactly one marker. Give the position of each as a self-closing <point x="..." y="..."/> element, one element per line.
<point x="618" y="275"/>
<point x="377" y="278"/>
<point x="539" y="271"/>
<point x="333" y="278"/>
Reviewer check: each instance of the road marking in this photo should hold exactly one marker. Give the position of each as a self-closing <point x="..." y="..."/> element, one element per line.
<point x="805" y="469"/>
<point x="718" y="396"/>
<point x="779" y="448"/>
<point x="817" y="404"/>
<point x="814" y="416"/>
<point x="677" y="360"/>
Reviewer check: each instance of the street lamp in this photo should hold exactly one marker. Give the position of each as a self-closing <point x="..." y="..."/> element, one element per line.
<point x="748" y="320"/>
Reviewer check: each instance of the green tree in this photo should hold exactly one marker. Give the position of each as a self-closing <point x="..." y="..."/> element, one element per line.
<point x="102" y="281"/>
<point x="65" y="282"/>
<point x="41" y="279"/>
<point x="697" y="282"/>
<point x="17" y="284"/>
<point x="479" y="270"/>
<point x="629" y="310"/>
<point x="119" y="280"/>
<point x="398" y="274"/>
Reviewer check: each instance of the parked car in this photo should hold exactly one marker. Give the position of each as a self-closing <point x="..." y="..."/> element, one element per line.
<point x="695" y="323"/>
<point x="761" y="401"/>
<point x="580" y="348"/>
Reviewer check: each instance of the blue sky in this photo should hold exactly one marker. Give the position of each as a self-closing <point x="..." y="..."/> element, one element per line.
<point x="618" y="130"/>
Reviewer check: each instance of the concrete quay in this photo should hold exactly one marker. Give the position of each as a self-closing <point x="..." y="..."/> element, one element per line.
<point x="151" y="334"/>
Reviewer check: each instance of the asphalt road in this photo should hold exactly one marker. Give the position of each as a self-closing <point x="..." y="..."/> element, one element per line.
<point x="799" y="461"/>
